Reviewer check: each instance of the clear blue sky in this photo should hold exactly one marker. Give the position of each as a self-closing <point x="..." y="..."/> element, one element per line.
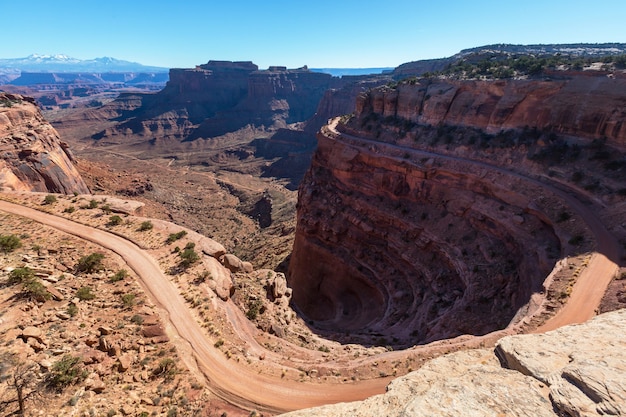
<point x="322" y="33"/>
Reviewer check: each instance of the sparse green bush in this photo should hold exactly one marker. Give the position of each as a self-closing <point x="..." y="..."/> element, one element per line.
<point x="106" y="209"/>
<point x="33" y="288"/>
<point x="70" y="209"/>
<point x="145" y="226"/>
<point x="254" y="308"/>
<point x="50" y="199"/>
<point x="93" y="204"/>
<point x="72" y="310"/>
<point x="119" y="275"/>
<point x="173" y="237"/>
<point x="115" y="220"/>
<point x="90" y="263"/>
<point x="128" y="300"/>
<point x="20" y="275"/>
<point x="136" y="319"/>
<point x="8" y="243"/>
<point x="85" y="293"/>
<point x="166" y="368"/>
<point x="66" y="371"/>
<point x="189" y="257"/>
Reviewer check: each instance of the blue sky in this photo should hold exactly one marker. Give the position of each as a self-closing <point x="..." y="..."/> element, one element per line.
<point x="323" y="33"/>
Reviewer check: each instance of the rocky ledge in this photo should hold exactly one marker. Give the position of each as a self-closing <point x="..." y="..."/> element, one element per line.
<point x="32" y="157"/>
<point x="576" y="370"/>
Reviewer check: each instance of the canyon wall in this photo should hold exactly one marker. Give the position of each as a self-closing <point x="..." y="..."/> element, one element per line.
<point x="397" y="247"/>
<point x="587" y="106"/>
<point x="32" y="157"/>
<point x="398" y="244"/>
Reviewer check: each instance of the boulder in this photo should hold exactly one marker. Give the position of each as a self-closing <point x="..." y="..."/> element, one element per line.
<point x="233" y="263"/>
<point x="584" y="365"/>
<point x="124" y="362"/>
<point x="156" y="330"/>
<point x="32" y="332"/>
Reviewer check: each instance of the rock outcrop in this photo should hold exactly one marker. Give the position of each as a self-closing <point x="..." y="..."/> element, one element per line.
<point x="220" y="97"/>
<point x="32" y="157"/>
<point x="588" y="106"/>
<point x="576" y="370"/>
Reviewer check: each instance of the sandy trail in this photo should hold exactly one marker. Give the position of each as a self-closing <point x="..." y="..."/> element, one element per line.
<point x="249" y="389"/>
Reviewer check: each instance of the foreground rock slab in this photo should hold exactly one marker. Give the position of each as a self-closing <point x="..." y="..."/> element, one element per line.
<point x="577" y="370"/>
<point x="585" y="365"/>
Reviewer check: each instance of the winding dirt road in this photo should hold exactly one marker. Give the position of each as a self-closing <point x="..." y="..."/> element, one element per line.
<point x="248" y="389"/>
<point x="229" y="380"/>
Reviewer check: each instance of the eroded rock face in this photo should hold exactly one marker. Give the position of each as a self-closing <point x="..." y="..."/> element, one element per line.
<point x="576" y="370"/>
<point x="409" y="249"/>
<point x="585" y="106"/>
<point x="32" y="157"/>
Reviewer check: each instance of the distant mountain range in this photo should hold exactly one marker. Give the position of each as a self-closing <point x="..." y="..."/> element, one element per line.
<point x="64" y="63"/>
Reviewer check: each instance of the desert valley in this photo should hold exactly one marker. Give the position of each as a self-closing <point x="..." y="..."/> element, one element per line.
<point x="443" y="238"/>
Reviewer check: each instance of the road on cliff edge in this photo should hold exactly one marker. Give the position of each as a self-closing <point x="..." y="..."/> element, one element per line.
<point x="592" y="283"/>
<point x="227" y="379"/>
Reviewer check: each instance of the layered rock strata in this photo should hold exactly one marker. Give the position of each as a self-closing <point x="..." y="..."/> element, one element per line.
<point x="395" y="247"/>
<point x="588" y="106"/>
<point x="576" y="370"/>
<point x="32" y="157"/>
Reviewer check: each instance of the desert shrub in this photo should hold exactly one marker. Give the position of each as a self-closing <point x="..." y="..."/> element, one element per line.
<point x="93" y="204"/>
<point x="115" y="220"/>
<point x="72" y="310"/>
<point x="145" y="226"/>
<point x="136" y="319"/>
<point x="33" y="288"/>
<point x="106" y="209"/>
<point x="85" y="293"/>
<point x="128" y="300"/>
<point x="173" y="237"/>
<point x="563" y="216"/>
<point x="50" y="199"/>
<point x="254" y="308"/>
<point x="166" y="368"/>
<point x="189" y="257"/>
<point x="119" y="275"/>
<point x="20" y="275"/>
<point x="8" y="243"/>
<point x="66" y="371"/>
<point x="70" y="209"/>
<point x="90" y="263"/>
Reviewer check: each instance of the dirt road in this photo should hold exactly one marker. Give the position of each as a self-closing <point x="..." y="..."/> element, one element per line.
<point x="229" y="380"/>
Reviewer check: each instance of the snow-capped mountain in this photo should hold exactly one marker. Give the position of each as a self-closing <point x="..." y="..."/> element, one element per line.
<point x="64" y="63"/>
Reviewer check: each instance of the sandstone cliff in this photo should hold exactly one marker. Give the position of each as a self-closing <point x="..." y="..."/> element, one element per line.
<point x="588" y="106"/>
<point x="32" y="156"/>
<point x="576" y="370"/>
<point x="221" y="97"/>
